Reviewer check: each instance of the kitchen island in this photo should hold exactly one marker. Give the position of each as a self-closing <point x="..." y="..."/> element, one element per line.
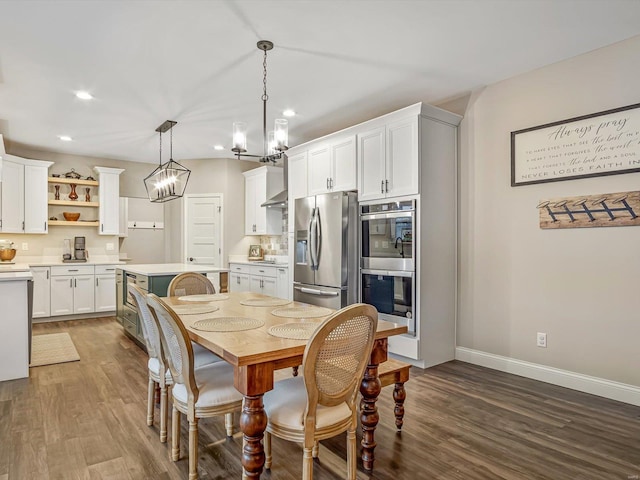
<point x="155" y="278"/>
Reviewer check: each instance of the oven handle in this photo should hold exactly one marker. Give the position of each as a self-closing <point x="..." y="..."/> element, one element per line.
<point x="388" y="273"/>
<point x="313" y="291"/>
<point x="381" y="216"/>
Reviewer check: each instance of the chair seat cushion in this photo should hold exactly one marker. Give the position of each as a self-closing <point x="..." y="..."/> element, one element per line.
<point x="154" y="367"/>
<point x="202" y="356"/>
<point x="215" y="382"/>
<point x="286" y="403"/>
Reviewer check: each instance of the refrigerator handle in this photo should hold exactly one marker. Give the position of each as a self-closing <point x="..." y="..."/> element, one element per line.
<point x="317" y="232"/>
<point x="312" y="239"/>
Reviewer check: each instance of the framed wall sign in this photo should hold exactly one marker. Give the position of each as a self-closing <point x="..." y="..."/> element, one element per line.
<point x="604" y="143"/>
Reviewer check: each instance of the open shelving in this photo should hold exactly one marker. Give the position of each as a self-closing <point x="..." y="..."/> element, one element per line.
<point x="89" y="183"/>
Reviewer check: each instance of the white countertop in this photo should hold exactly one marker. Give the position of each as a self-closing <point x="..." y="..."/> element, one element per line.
<point x="50" y="260"/>
<point x="13" y="267"/>
<point x="12" y="275"/>
<point x="155" y="269"/>
<point x="262" y="263"/>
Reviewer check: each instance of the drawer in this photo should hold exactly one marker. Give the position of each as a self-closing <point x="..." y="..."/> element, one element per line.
<point x="59" y="270"/>
<point x="263" y="271"/>
<point x="241" y="268"/>
<point x="101" y="269"/>
<point x="129" y="327"/>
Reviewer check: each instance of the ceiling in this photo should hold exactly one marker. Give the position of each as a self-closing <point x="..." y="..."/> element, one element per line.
<point x="336" y="63"/>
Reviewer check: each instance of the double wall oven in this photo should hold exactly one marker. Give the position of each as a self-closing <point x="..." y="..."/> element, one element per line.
<point x="387" y="260"/>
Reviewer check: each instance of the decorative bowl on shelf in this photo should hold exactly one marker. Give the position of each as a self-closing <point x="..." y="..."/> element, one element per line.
<point x="7" y="254"/>
<point x="71" y="216"/>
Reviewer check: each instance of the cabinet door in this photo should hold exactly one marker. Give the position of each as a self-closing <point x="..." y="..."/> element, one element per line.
<point x="343" y="164"/>
<point x="239" y="282"/>
<point x="269" y="286"/>
<point x="255" y="284"/>
<point x="109" y="204"/>
<point x="35" y="199"/>
<point x="402" y="158"/>
<point x="298" y="176"/>
<point x="12" y="186"/>
<point x="282" y="283"/>
<point x="371" y="164"/>
<point x="83" y="294"/>
<point x="319" y="170"/>
<point x="250" y="205"/>
<point x="259" y="199"/>
<point x="105" y="293"/>
<point x="61" y="295"/>
<point x="41" y="292"/>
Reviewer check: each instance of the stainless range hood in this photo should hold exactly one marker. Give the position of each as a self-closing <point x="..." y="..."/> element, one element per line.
<point x="279" y="200"/>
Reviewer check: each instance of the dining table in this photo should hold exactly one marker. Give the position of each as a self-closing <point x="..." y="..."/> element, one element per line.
<point x="256" y="353"/>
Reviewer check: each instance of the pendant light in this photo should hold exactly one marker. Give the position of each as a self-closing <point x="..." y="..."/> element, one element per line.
<point x="168" y="181"/>
<point x="276" y="142"/>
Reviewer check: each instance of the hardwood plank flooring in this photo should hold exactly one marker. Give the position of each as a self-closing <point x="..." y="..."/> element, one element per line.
<point x="86" y="420"/>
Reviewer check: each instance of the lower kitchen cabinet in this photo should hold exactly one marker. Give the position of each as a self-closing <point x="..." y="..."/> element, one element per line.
<point x="239" y="282"/>
<point x="282" y="283"/>
<point x="105" y="289"/>
<point x="265" y="279"/>
<point x="71" y="294"/>
<point x="41" y="291"/>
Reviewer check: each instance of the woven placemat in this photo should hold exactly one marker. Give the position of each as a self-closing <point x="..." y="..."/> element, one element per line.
<point x="294" y="331"/>
<point x="227" y="324"/>
<point x="212" y="297"/>
<point x="265" y="302"/>
<point x="302" y="312"/>
<point x="196" y="309"/>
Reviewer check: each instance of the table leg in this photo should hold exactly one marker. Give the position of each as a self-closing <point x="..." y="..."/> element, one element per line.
<point x="253" y="422"/>
<point x="370" y="389"/>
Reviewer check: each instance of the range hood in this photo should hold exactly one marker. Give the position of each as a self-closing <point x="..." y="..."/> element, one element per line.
<point x="279" y="200"/>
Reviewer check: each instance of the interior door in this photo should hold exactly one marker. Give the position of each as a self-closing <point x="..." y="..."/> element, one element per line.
<point x="203" y="229"/>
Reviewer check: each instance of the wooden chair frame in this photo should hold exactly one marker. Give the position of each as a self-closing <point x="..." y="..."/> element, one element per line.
<point x="193" y="283"/>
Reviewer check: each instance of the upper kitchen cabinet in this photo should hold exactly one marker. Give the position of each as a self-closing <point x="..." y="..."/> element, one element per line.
<point x="298" y="168"/>
<point x="109" y="198"/>
<point x="388" y="160"/>
<point x="23" y="198"/>
<point x="332" y="165"/>
<point x="260" y="184"/>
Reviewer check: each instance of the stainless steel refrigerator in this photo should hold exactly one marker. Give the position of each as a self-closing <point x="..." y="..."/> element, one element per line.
<point x="325" y="269"/>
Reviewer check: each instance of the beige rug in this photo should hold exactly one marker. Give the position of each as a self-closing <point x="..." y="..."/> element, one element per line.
<point x="52" y="348"/>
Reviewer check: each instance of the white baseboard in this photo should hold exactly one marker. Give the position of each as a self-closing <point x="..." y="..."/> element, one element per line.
<point x="584" y="383"/>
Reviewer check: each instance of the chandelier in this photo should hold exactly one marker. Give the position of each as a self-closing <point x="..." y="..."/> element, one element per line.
<point x="275" y="142"/>
<point x="168" y="181"/>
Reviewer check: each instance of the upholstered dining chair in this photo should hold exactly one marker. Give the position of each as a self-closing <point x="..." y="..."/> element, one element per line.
<point x="190" y="283"/>
<point x="157" y="365"/>
<point x="198" y="393"/>
<point x="322" y="402"/>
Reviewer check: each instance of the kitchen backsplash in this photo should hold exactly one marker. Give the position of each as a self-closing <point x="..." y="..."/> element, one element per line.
<point x="277" y="245"/>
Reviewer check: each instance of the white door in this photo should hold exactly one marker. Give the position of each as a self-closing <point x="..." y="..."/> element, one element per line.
<point x="402" y="158"/>
<point x="61" y="295"/>
<point x="371" y="164"/>
<point x="255" y="284"/>
<point x="83" y="294"/>
<point x="12" y="186"/>
<point x="343" y="164"/>
<point x="269" y="286"/>
<point x="41" y="292"/>
<point x="319" y="170"/>
<point x="105" y="292"/>
<point x="35" y="199"/>
<point x="203" y="229"/>
<point x="298" y="168"/>
<point x="282" y="283"/>
<point x="239" y="282"/>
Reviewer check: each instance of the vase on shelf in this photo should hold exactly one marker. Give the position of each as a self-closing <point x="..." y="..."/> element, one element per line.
<point x="73" y="195"/>
<point x="87" y="197"/>
<point x="57" y="196"/>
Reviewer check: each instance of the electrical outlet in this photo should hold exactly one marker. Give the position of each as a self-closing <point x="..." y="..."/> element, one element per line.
<point x="110" y="247"/>
<point x="541" y="339"/>
<point x="25" y="246"/>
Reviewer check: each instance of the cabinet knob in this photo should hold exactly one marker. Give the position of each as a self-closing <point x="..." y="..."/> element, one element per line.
<point x="191" y="259"/>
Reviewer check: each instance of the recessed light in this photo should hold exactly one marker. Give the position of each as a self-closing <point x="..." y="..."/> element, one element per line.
<point x="65" y="138"/>
<point x="84" y="95"/>
<point x="218" y="147"/>
<point x="289" y="113"/>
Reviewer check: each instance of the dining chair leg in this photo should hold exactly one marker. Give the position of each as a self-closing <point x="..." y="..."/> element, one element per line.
<point x="150" y="394"/>
<point x="307" y="464"/>
<point x="399" y="396"/>
<point x="351" y="454"/>
<point x="175" y="434"/>
<point x="266" y="442"/>
<point x="316" y="449"/>
<point x="193" y="449"/>
<point x="163" y="413"/>
<point x="228" y="423"/>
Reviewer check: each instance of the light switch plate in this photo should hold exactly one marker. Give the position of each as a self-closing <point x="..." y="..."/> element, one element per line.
<point x="110" y="247"/>
<point x="25" y="246"/>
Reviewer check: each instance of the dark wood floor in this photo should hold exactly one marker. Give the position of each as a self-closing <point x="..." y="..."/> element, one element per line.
<point x="86" y="420"/>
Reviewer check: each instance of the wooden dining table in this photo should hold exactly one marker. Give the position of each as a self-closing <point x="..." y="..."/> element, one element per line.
<point x="256" y="355"/>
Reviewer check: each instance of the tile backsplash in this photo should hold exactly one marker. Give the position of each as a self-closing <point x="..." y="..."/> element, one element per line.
<point x="278" y="244"/>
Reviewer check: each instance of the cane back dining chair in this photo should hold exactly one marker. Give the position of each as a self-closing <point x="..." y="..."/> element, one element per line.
<point x="322" y="403"/>
<point x="190" y="283"/>
<point x="198" y="393"/>
<point x="157" y="365"/>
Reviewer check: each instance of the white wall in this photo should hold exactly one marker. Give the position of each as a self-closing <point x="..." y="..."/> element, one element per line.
<point x="580" y="286"/>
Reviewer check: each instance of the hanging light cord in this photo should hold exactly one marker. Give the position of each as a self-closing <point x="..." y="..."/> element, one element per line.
<point x="161" y="149"/>
<point x="265" y="97"/>
<point x="171" y="144"/>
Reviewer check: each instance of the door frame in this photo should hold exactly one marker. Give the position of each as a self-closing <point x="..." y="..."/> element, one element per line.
<point x="185" y="209"/>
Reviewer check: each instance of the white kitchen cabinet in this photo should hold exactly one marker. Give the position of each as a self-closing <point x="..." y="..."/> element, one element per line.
<point x="263" y="280"/>
<point x="109" y="197"/>
<point x="41" y="291"/>
<point x="72" y="290"/>
<point x="332" y="166"/>
<point x="298" y="176"/>
<point x="260" y="184"/>
<point x="239" y="282"/>
<point x="105" y="288"/>
<point x="24" y="195"/>
<point x="123" y="217"/>
<point x="388" y="159"/>
<point x="283" y="289"/>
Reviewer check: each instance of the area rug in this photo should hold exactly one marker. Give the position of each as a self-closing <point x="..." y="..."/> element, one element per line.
<point x="52" y="348"/>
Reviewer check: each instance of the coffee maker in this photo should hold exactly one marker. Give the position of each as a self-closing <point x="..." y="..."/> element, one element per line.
<point x="79" y="249"/>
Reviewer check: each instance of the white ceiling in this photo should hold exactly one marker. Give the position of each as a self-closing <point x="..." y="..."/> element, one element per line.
<point x="335" y="62"/>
